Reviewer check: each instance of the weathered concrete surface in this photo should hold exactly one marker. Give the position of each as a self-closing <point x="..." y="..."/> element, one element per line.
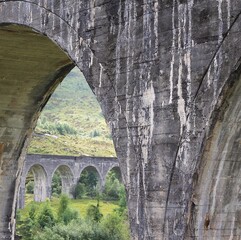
<point x="70" y="168"/>
<point x="161" y="71"/>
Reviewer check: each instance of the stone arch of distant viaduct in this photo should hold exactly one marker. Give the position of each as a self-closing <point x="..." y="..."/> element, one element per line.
<point x="167" y="77"/>
<point x="70" y="168"/>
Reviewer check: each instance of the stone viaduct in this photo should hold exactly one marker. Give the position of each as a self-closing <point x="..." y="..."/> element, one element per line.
<point x="167" y="76"/>
<point x="70" y="168"/>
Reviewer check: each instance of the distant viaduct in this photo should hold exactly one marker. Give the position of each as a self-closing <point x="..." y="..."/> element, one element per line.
<point x="70" y="168"/>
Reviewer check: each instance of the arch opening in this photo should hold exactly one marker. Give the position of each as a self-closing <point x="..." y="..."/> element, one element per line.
<point x="117" y="172"/>
<point x="89" y="183"/>
<point x="36" y="183"/>
<point x="113" y="187"/>
<point x="62" y="181"/>
<point x="31" y="66"/>
<point x="35" y="73"/>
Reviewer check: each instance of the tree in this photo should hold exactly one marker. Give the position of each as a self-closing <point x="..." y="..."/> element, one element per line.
<point x="65" y="214"/>
<point x="30" y="187"/>
<point x="90" y="180"/>
<point x="115" y="227"/>
<point x="28" y="227"/>
<point x="46" y="217"/>
<point x="80" y="191"/>
<point x="93" y="212"/>
<point x="112" y="186"/>
<point x="122" y="197"/>
<point x="56" y="184"/>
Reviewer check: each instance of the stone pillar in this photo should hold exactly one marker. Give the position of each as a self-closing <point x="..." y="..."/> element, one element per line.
<point x="21" y="197"/>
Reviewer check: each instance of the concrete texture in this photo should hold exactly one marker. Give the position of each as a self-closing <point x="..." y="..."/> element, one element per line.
<point x="165" y="74"/>
<point x="70" y="168"/>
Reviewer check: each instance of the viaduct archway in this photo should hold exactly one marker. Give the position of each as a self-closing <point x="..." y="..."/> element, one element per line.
<point x="70" y="169"/>
<point x="162" y="72"/>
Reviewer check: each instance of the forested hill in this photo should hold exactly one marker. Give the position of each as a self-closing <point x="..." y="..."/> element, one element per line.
<point x="72" y="123"/>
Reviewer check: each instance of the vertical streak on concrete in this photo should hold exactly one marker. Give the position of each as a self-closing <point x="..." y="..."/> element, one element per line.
<point x="218" y="59"/>
<point x="1" y="158"/>
<point x="101" y="72"/>
<point x="91" y="21"/>
<point x="156" y="15"/>
<point x="189" y="51"/>
<point x="117" y="67"/>
<point x="188" y="64"/>
<point x="52" y="10"/>
<point x="181" y="101"/>
<point x="61" y="7"/>
<point x="127" y="35"/>
<point x="228" y="13"/>
<point x="172" y="51"/>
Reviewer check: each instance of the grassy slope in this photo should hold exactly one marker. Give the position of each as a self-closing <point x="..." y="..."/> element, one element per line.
<point x="73" y="103"/>
<point x="79" y="205"/>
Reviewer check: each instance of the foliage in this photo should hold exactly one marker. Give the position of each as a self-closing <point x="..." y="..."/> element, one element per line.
<point x="30" y="187"/>
<point x="87" y="185"/>
<point x="27" y="227"/>
<point x="93" y="213"/>
<point x="56" y="184"/>
<point x="72" y="117"/>
<point x="95" y="133"/>
<point x="116" y="227"/>
<point x="65" y="214"/>
<point x="80" y="191"/>
<point x="109" y="227"/>
<point x="46" y="217"/>
<point x="72" y="145"/>
<point x="112" y="186"/>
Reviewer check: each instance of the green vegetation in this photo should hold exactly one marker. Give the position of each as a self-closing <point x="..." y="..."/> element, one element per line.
<point x="49" y="221"/>
<point x="87" y="185"/>
<point x="113" y="187"/>
<point x="72" y="122"/>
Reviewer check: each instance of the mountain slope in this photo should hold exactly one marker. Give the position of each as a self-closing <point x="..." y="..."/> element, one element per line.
<point x="72" y="122"/>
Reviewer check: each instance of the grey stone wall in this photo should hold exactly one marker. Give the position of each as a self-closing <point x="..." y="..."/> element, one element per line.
<point x="165" y="74"/>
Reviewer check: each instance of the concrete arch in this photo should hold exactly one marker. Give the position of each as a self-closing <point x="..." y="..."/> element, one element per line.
<point x="216" y="214"/>
<point x="67" y="179"/>
<point x="70" y="49"/>
<point x="167" y="64"/>
<point x="76" y="49"/>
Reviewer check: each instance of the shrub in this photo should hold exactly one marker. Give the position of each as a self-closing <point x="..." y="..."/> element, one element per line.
<point x="93" y="213"/>
<point x="30" y="187"/>
<point x="46" y="217"/>
<point x="56" y="184"/>
<point x="80" y="191"/>
<point x="65" y="214"/>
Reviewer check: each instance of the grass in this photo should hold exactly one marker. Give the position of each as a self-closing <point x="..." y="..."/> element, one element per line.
<point x="72" y="146"/>
<point x="73" y="104"/>
<point x="79" y="205"/>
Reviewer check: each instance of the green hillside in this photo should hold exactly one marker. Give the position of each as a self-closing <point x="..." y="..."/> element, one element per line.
<point x="72" y="122"/>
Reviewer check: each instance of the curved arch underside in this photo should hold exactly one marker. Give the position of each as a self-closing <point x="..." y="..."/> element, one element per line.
<point x="31" y="65"/>
<point x="217" y="198"/>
